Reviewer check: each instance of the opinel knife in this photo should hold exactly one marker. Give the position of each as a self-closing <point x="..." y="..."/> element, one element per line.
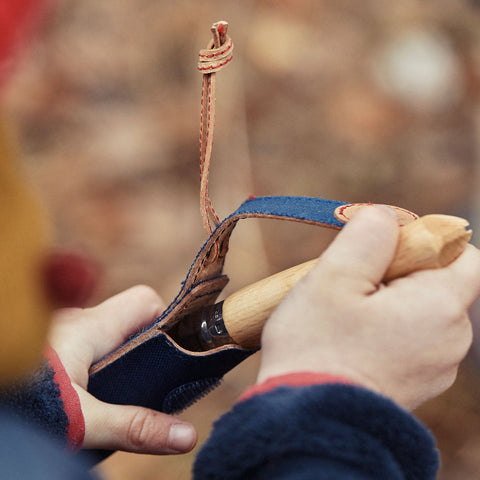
<point x="432" y="241"/>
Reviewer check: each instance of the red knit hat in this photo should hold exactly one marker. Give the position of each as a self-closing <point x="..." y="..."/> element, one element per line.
<point x="18" y="19"/>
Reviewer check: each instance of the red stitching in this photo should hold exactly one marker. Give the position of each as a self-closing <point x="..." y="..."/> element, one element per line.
<point x="207" y="119"/>
<point x="202" y="120"/>
<point x="209" y="212"/>
<point x="344" y="207"/>
<point x="218" y="65"/>
<point x="221" y="52"/>
<point x="216" y="54"/>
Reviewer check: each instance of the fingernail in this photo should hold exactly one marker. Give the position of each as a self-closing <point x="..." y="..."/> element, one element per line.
<point x="182" y="437"/>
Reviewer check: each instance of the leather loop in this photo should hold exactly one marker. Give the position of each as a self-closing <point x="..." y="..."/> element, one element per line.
<point x="211" y="60"/>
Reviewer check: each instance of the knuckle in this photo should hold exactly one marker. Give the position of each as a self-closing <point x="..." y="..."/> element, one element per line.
<point x="454" y="310"/>
<point x="140" y="430"/>
<point x="459" y="343"/>
<point x="469" y="334"/>
<point x="67" y="315"/>
<point x="146" y="294"/>
<point x="450" y="378"/>
<point x="467" y="337"/>
<point x="444" y="381"/>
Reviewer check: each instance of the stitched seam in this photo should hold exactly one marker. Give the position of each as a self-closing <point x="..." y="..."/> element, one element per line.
<point x="205" y="258"/>
<point x="207" y="294"/>
<point x="342" y="209"/>
<point x="217" y="65"/>
<point x="215" y="54"/>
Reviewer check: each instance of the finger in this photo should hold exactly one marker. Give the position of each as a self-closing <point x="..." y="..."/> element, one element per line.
<point x="465" y="338"/>
<point x="457" y="283"/>
<point x="121" y="316"/>
<point x="464" y="274"/>
<point x="363" y="250"/>
<point x="134" y="429"/>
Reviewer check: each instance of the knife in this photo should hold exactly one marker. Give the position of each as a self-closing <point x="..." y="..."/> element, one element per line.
<point x="432" y="241"/>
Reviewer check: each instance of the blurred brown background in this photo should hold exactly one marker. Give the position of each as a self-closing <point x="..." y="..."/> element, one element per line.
<point x="356" y="101"/>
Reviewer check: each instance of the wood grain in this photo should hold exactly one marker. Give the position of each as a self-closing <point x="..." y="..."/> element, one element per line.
<point x="432" y="241"/>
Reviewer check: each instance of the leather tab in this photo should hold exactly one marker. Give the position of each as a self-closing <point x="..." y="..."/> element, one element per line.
<point x="345" y="212"/>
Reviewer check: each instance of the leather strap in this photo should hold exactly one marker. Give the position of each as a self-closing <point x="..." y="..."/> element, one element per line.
<point x="211" y="60"/>
<point x="205" y="279"/>
<point x="151" y="369"/>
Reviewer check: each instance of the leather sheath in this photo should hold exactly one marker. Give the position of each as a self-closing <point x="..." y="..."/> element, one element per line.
<point x="151" y="369"/>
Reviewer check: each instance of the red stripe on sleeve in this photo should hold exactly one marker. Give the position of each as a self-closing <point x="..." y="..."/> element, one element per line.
<point x="296" y="379"/>
<point x="71" y="402"/>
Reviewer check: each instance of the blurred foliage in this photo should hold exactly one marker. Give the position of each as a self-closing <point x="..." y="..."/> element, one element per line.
<point x="355" y="101"/>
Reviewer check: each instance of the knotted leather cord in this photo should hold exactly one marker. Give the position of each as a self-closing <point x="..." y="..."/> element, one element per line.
<point x="211" y="60"/>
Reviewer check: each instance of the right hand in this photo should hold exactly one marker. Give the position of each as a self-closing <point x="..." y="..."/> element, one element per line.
<point x="404" y="339"/>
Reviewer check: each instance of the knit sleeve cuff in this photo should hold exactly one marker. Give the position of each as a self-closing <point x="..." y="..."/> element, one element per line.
<point x="318" y="431"/>
<point x="296" y="379"/>
<point x="71" y="402"/>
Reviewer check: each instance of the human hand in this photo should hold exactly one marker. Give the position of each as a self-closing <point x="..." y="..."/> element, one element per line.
<point x="404" y="339"/>
<point x="83" y="336"/>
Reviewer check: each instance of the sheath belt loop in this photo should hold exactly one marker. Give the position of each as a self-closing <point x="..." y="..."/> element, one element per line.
<point x="211" y="60"/>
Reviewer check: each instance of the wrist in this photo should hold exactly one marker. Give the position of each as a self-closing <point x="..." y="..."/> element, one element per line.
<point x="294" y="379"/>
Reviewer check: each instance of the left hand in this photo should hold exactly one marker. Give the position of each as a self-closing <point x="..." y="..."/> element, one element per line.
<point x="83" y="336"/>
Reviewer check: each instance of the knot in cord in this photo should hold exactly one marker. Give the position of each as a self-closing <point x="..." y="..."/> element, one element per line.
<point x="214" y="58"/>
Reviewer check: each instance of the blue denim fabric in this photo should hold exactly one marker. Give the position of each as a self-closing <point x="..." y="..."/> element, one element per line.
<point x="151" y="370"/>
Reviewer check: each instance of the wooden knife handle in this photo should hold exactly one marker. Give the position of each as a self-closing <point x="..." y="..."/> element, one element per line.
<point x="432" y="241"/>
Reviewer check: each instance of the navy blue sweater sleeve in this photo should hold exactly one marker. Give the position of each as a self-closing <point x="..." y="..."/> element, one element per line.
<point x="28" y="453"/>
<point x="318" y="432"/>
<point x="37" y="402"/>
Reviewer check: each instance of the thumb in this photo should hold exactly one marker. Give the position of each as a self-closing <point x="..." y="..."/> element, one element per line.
<point x="134" y="429"/>
<point x="363" y="250"/>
